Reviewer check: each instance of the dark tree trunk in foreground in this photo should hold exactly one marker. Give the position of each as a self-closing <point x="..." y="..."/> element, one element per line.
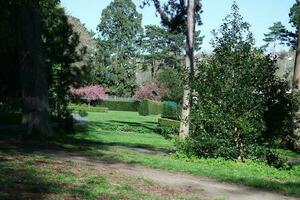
<point x="189" y="69"/>
<point x="35" y="103"/>
<point x="296" y="87"/>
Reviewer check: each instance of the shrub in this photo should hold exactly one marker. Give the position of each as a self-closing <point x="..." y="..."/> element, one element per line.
<point x="163" y="122"/>
<point x="86" y="108"/>
<point x="120" y="105"/>
<point x="91" y="92"/>
<point x="151" y="91"/>
<point x="233" y="89"/>
<point x="168" y="127"/>
<point x="149" y="107"/>
<point x="82" y="113"/>
<point x="172" y="81"/>
<point x="170" y="110"/>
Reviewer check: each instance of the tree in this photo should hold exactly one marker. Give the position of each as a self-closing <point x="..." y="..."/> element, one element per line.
<point x="63" y="58"/>
<point x="189" y="64"/>
<point x="35" y="103"/>
<point x="233" y="90"/>
<point x="181" y="17"/>
<point x="295" y="20"/>
<point x="120" y="35"/>
<point x="162" y="49"/>
<point x="57" y="53"/>
<point x="274" y="35"/>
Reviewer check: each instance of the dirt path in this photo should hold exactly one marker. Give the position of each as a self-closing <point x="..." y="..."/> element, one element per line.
<point x="198" y="186"/>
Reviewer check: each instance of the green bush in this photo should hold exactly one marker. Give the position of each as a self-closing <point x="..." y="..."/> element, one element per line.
<point x="168" y="127"/>
<point x="163" y="122"/>
<point x="149" y="107"/>
<point x="233" y="90"/>
<point x="170" y="110"/>
<point x="82" y="113"/>
<point x="120" y="105"/>
<point x="86" y="108"/>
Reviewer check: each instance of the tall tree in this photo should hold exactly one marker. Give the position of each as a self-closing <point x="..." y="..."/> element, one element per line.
<point x="161" y="49"/>
<point x="181" y="16"/>
<point x="274" y="35"/>
<point x="295" y="20"/>
<point x="120" y="35"/>
<point x="189" y="64"/>
<point x="36" y="118"/>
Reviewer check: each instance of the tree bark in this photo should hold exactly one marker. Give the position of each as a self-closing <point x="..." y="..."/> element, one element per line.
<point x="154" y="70"/>
<point x="35" y="103"/>
<point x="296" y="87"/>
<point x="189" y="70"/>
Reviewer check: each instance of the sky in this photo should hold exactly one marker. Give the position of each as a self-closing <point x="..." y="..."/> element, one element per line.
<point x="261" y="14"/>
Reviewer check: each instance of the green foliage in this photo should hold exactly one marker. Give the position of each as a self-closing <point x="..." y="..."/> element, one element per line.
<point x="87" y="108"/>
<point x="59" y="48"/>
<point x="120" y="34"/>
<point x="170" y="110"/>
<point x="233" y="89"/>
<point x="169" y="123"/>
<point x="82" y="113"/>
<point x="172" y="80"/>
<point x="274" y="35"/>
<point x="162" y="49"/>
<point x="120" y="105"/>
<point x="149" y="107"/>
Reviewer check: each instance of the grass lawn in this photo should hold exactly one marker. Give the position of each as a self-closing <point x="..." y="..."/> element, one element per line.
<point x="130" y="138"/>
<point x="31" y="176"/>
<point x="119" y="135"/>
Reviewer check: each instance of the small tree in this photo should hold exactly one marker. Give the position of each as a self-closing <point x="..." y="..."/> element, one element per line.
<point x="234" y="89"/>
<point x="91" y="92"/>
<point x="150" y="91"/>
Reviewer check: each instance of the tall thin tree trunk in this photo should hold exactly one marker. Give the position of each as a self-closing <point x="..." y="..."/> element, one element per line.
<point x="296" y="87"/>
<point x="35" y="103"/>
<point x="189" y="70"/>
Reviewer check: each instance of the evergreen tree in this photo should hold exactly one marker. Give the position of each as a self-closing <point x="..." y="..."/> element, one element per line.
<point x="120" y="37"/>
<point x="274" y="35"/>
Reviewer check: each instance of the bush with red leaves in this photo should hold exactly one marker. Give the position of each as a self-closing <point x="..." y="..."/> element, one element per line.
<point x="151" y="91"/>
<point x="91" y="92"/>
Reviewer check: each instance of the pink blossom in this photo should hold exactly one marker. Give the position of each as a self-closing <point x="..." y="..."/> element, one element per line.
<point x="91" y="92"/>
<point x="150" y="91"/>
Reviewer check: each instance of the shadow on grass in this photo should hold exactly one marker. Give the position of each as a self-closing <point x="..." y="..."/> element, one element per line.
<point x="20" y="178"/>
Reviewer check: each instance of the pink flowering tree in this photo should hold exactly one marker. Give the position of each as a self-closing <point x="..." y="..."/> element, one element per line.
<point x="151" y="91"/>
<point x="91" y="92"/>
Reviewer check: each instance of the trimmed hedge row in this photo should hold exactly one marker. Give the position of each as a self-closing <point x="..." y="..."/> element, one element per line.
<point x="87" y="108"/>
<point x="120" y="105"/>
<point x="164" y="122"/>
<point x="170" y="110"/>
<point x="149" y="107"/>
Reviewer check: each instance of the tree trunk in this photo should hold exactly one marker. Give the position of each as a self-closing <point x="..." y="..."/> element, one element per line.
<point x="189" y="70"/>
<point x="154" y="70"/>
<point x="35" y="103"/>
<point x="296" y="87"/>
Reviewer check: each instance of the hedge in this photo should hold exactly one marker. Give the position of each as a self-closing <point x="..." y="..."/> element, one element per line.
<point x="170" y="110"/>
<point x="120" y="105"/>
<point x="149" y="107"/>
<point x="164" y="122"/>
<point x="87" y="108"/>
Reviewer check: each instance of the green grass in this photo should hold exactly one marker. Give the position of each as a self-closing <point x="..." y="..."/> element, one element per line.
<point x="115" y="135"/>
<point x="30" y="176"/>
<point x="121" y="135"/>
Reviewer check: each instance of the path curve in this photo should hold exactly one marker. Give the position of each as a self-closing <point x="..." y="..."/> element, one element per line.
<point x="195" y="184"/>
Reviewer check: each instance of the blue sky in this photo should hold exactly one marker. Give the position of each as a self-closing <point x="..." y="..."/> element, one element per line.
<point x="259" y="13"/>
